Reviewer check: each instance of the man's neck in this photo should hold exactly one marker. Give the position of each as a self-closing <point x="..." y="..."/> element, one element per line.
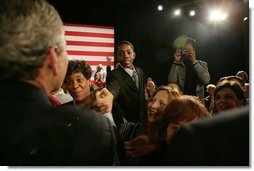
<point x="132" y="67"/>
<point x="38" y="83"/>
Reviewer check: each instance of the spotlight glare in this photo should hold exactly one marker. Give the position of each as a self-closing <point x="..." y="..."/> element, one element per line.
<point x="245" y="18"/>
<point x="177" y="12"/>
<point x="217" y="15"/>
<point x="160" y="7"/>
<point x="192" y="13"/>
<point x="224" y="16"/>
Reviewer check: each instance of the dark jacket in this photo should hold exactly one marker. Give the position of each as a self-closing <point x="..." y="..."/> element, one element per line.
<point x="220" y="141"/>
<point x="33" y="132"/>
<point x="129" y="101"/>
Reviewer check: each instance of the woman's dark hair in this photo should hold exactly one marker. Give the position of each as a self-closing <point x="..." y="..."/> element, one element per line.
<point x="230" y="78"/>
<point x="245" y="79"/>
<point x="79" y="66"/>
<point x="234" y="87"/>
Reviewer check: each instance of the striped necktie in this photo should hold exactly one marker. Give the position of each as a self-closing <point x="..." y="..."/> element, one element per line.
<point x="135" y="78"/>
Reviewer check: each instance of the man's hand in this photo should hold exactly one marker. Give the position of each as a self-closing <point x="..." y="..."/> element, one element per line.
<point x="177" y="55"/>
<point x="104" y="101"/>
<point x="191" y="55"/>
<point x="140" y="146"/>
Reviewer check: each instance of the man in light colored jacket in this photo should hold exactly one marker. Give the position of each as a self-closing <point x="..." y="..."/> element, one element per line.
<point x="188" y="72"/>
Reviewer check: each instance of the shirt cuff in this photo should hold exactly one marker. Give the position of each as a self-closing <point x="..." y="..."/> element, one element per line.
<point x="110" y="118"/>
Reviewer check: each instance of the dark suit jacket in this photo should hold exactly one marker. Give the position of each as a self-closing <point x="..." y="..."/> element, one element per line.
<point x="33" y="132"/>
<point x="220" y="141"/>
<point x="129" y="101"/>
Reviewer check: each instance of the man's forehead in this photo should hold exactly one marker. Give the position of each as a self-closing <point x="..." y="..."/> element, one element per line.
<point x="188" y="44"/>
<point x="124" y="47"/>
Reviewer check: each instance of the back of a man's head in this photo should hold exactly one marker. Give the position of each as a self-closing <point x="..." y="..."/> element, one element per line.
<point x="28" y="29"/>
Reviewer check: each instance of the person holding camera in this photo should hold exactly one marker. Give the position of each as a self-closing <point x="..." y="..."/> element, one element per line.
<point x="186" y="71"/>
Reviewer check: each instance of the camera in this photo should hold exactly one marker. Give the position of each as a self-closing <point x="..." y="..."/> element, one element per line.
<point x="183" y="52"/>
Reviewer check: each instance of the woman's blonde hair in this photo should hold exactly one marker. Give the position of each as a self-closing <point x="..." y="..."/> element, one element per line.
<point x="172" y="93"/>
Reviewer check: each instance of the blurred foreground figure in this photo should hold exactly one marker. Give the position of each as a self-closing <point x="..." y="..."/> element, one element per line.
<point x="220" y="141"/>
<point x="33" y="63"/>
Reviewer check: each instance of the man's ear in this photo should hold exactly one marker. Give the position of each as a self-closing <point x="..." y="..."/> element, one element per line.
<point x="134" y="55"/>
<point x="53" y="59"/>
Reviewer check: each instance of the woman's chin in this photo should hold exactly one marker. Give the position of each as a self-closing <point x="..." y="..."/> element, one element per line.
<point x="78" y="99"/>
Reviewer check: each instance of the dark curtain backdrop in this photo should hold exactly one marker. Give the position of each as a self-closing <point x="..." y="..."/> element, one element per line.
<point x="224" y="46"/>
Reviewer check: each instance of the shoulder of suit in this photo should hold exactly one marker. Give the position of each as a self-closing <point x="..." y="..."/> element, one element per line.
<point x="224" y="119"/>
<point x="139" y="69"/>
<point x="116" y="71"/>
<point x="203" y="62"/>
<point x="74" y="112"/>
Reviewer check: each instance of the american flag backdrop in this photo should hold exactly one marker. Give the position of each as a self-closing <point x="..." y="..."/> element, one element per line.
<point x="94" y="44"/>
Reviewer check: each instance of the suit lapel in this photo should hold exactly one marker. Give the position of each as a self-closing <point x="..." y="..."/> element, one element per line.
<point x="128" y="79"/>
<point x="140" y="77"/>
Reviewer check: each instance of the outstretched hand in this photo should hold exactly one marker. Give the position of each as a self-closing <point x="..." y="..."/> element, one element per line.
<point x="104" y="101"/>
<point x="140" y="146"/>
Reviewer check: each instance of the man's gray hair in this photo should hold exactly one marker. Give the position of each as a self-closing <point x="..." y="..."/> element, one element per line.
<point x="28" y="29"/>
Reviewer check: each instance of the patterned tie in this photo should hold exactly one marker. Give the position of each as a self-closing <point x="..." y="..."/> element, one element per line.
<point x="135" y="78"/>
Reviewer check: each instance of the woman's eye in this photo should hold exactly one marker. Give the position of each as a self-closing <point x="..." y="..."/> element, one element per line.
<point x="163" y="105"/>
<point x="79" y="80"/>
<point x="176" y="127"/>
<point x="229" y="97"/>
<point x="152" y="100"/>
<point x="217" y="97"/>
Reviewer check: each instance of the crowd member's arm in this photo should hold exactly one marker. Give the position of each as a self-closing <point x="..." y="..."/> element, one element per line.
<point x="202" y="71"/>
<point x="175" y="67"/>
<point x="199" y="66"/>
<point x="144" y="145"/>
<point x="104" y="103"/>
<point x="113" y="85"/>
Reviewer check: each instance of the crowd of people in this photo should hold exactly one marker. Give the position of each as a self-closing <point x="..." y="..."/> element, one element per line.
<point x="53" y="114"/>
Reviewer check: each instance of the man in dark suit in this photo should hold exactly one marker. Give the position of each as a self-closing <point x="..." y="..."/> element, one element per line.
<point x="127" y="83"/>
<point x="33" y="63"/>
<point x="220" y="141"/>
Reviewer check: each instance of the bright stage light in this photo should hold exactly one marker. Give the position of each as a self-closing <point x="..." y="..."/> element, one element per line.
<point x="217" y="15"/>
<point x="192" y="13"/>
<point x="177" y="12"/>
<point x="245" y="18"/>
<point x="160" y="7"/>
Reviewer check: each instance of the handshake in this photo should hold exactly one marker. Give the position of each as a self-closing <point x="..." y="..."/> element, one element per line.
<point x="100" y="99"/>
